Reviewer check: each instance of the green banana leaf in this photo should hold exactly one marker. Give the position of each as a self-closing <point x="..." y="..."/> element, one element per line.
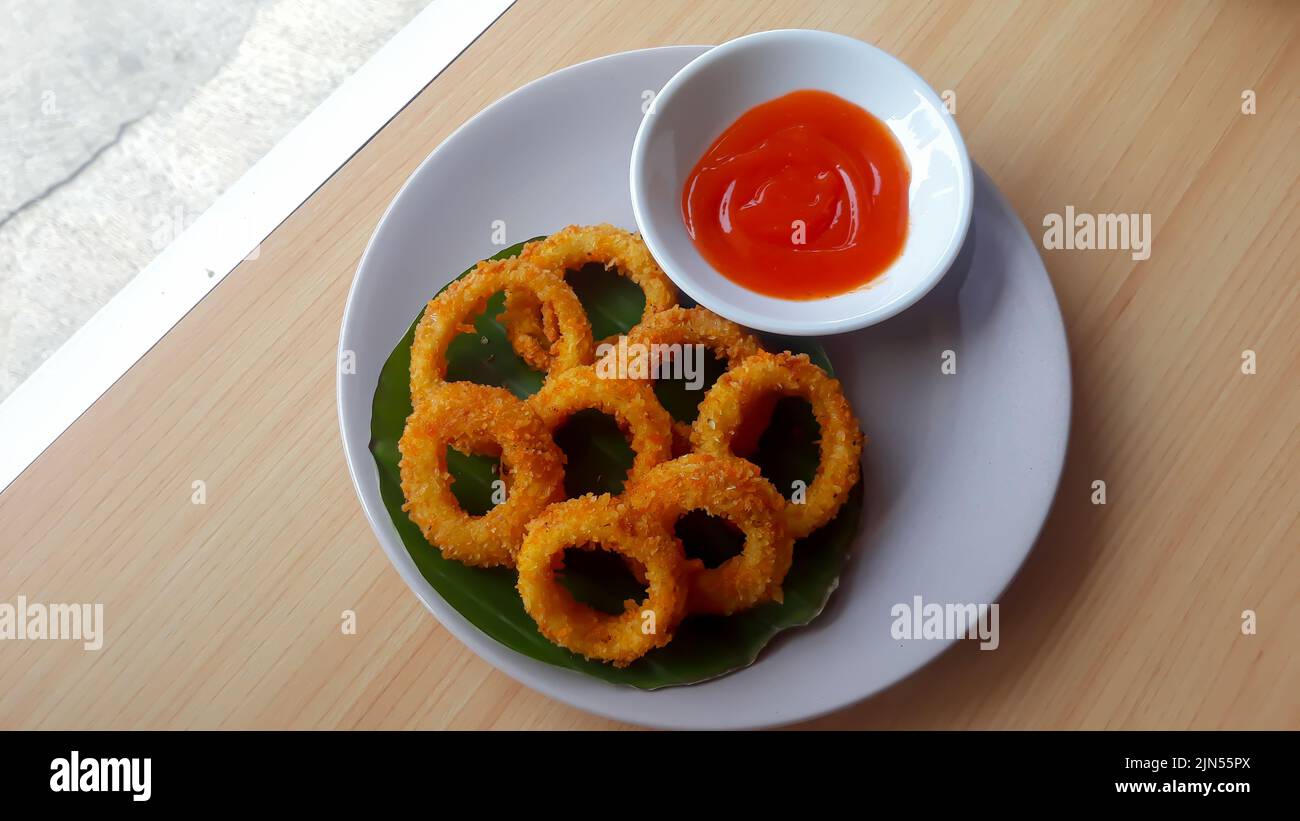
<point x="703" y="647"/>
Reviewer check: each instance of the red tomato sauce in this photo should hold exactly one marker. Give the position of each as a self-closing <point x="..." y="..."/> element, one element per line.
<point x="803" y="197"/>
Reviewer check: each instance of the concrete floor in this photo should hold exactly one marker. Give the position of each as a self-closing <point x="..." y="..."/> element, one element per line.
<point x="122" y="120"/>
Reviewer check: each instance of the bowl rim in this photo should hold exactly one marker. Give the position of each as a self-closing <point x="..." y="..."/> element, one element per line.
<point x="780" y="324"/>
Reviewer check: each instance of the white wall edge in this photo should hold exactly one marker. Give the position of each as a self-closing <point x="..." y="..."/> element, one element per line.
<point x="45" y="404"/>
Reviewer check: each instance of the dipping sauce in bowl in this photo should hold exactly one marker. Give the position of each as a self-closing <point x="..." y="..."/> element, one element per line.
<point x="802" y="197"/>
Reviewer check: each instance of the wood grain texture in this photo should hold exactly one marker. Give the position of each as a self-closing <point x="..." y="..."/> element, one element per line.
<point x="1126" y="615"/>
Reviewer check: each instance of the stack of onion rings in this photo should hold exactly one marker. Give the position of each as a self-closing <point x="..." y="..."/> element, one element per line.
<point x="728" y="341"/>
<point x="451" y="313"/>
<point x="677" y="468"/>
<point x="532" y="324"/>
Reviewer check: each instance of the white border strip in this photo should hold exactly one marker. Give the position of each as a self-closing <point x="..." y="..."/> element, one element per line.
<point x="114" y="339"/>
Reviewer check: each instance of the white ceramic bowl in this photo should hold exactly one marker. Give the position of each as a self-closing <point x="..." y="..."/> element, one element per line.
<point x="713" y="90"/>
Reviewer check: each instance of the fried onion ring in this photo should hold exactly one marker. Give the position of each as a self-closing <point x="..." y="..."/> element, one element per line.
<point x="697" y="326"/>
<point x="451" y="313"/>
<point x="728" y="341"/>
<point x="737" y="391"/>
<point x="632" y="404"/>
<point x="681" y="438"/>
<point x="735" y="490"/>
<point x="599" y="522"/>
<point x="531" y="324"/>
<point x="747" y="437"/>
<point x="477" y="419"/>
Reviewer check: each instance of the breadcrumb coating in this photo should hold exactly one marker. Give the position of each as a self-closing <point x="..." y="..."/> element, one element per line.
<point x="451" y="313"/>
<point x="632" y="404"/>
<point x="600" y="522"/>
<point x="531" y="323"/>
<point x="723" y="412"/>
<point x="477" y="419"/>
<point x="733" y="489"/>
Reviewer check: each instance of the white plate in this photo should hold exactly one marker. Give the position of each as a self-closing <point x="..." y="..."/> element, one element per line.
<point x="960" y="469"/>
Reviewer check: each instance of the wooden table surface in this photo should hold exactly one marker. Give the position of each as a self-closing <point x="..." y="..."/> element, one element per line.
<point x="1128" y="614"/>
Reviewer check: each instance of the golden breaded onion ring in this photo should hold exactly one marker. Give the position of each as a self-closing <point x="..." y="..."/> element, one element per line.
<point x="477" y="419"/>
<point x="733" y="489"/>
<point x="451" y="313"/>
<point x="681" y="438"/>
<point x="683" y="326"/>
<point x="632" y="404"/>
<point x="728" y="341"/>
<point x="531" y="324"/>
<point x="697" y="326"/>
<point x="593" y="522"/>
<point x="738" y="390"/>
